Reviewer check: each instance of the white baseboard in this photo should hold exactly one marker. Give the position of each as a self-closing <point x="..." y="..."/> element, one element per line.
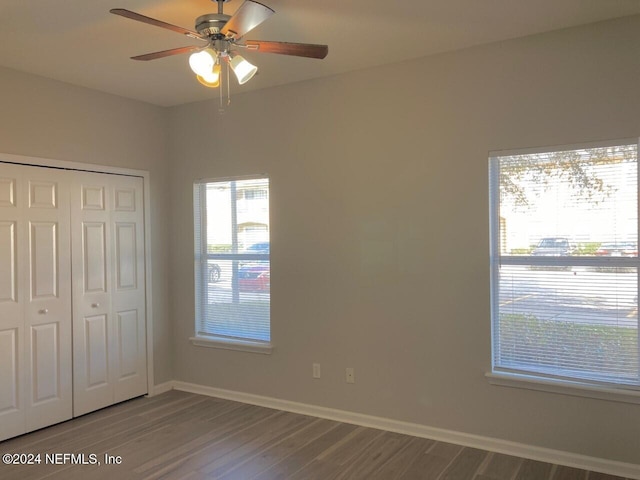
<point x="626" y="470"/>
<point x="162" y="388"/>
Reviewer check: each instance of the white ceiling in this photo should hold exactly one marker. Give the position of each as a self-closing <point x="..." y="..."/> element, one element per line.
<point x="80" y="42"/>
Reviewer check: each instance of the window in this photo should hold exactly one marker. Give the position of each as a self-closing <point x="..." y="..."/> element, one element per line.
<point x="564" y="263"/>
<point x="232" y="264"/>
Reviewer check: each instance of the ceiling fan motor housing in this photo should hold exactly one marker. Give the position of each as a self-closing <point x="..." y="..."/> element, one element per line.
<point x="210" y="24"/>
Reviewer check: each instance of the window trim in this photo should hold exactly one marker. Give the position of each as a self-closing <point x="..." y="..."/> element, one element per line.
<point x="502" y="376"/>
<point x="564" y="387"/>
<point x="201" y="339"/>
<point x="212" y="341"/>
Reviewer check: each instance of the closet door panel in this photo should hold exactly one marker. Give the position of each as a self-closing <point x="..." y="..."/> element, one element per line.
<point x="128" y="352"/>
<point x="8" y="261"/>
<point x="12" y="415"/>
<point x="43" y="193"/>
<point x="96" y="348"/>
<point x="91" y="377"/>
<point x="109" y="291"/>
<point x="9" y="370"/>
<point x="92" y="319"/>
<point x="129" y="344"/>
<point x="12" y="372"/>
<point x="94" y="251"/>
<point x="8" y="186"/>
<point x="48" y="302"/>
<point x="43" y="250"/>
<point x="126" y="253"/>
<point x="45" y="352"/>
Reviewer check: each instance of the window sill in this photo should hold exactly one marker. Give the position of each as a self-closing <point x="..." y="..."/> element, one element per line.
<point x="563" y="387"/>
<point x="229" y="344"/>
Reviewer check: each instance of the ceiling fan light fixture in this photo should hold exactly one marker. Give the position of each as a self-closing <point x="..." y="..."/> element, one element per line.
<point x="212" y="79"/>
<point x="202" y="62"/>
<point x="221" y="33"/>
<point x="243" y="69"/>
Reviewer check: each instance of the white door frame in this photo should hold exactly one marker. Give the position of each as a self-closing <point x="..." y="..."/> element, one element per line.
<point x="88" y="167"/>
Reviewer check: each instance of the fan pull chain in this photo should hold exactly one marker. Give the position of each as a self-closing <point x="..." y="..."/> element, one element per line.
<point x="221" y="108"/>
<point x="228" y="86"/>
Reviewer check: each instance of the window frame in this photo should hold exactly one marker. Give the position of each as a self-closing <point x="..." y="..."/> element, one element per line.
<point x="503" y="376"/>
<point x="201" y="258"/>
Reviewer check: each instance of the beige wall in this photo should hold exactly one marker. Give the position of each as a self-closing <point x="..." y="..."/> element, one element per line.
<point x="380" y="229"/>
<point x="44" y="118"/>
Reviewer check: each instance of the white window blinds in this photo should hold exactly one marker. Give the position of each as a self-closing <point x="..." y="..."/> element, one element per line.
<point x="232" y="259"/>
<point x="564" y="255"/>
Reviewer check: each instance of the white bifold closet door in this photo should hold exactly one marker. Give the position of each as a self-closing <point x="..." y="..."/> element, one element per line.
<point x="35" y="299"/>
<point x="72" y="294"/>
<point x="109" y="343"/>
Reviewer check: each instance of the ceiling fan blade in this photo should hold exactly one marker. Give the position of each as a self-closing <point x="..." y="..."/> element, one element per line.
<point x="166" y="53"/>
<point x="285" y="48"/>
<point x="247" y="17"/>
<point x="157" y="23"/>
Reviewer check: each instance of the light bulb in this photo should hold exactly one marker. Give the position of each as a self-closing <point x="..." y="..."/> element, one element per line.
<point x="243" y="69"/>
<point x="211" y="79"/>
<point x="202" y="62"/>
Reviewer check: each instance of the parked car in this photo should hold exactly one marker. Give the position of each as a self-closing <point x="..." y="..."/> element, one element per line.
<point x="214" y="272"/>
<point x="553" y="246"/>
<point x="626" y="249"/>
<point x="254" y="277"/>
<point x="261" y="248"/>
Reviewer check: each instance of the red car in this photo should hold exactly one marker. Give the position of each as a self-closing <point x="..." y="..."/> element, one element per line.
<point x="254" y="278"/>
<point x="617" y="250"/>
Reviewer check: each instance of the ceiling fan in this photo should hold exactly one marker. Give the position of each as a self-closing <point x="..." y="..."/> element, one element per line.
<point x="223" y="35"/>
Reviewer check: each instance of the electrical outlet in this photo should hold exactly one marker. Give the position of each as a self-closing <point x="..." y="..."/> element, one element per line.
<point x="316" y="370"/>
<point x="351" y="375"/>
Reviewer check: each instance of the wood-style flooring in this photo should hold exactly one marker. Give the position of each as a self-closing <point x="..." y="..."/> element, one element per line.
<point x="179" y="435"/>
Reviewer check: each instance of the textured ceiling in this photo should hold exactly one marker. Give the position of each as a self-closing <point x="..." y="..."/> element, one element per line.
<point x="80" y="42"/>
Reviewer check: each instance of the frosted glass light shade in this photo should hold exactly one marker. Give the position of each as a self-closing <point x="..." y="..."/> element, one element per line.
<point x="243" y="69"/>
<point x="202" y="62"/>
